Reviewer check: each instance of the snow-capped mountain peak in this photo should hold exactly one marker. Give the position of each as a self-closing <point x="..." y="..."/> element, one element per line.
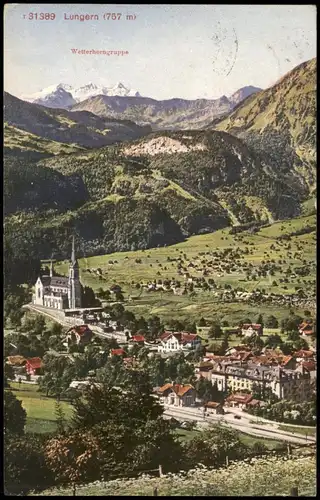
<point x="63" y="95"/>
<point x="54" y="96"/>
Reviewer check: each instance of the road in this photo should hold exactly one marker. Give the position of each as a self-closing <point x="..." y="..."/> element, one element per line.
<point x="244" y="425"/>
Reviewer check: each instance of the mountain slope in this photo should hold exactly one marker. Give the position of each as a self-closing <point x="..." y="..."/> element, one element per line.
<point x="31" y="188"/>
<point x="79" y="128"/>
<point x="280" y="125"/>
<point x="156" y="190"/>
<point x="24" y="144"/>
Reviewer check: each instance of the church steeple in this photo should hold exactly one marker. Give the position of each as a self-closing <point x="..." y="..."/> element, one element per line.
<point x="73" y="254"/>
<point x="74" y="292"/>
<point x="51" y="269"/>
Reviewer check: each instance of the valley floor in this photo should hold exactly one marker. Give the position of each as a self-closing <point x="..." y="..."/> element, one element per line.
<point x="130" y="269"/>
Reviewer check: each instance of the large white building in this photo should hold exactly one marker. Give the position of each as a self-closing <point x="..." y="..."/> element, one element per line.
<point x="178" y="341"/>
<point x="59" y="293"/>
<point x="290" y="384"/>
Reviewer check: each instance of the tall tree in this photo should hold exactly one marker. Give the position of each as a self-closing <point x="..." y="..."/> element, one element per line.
<point x="260" y="320"/>
<point x="215" y="331"/>
<point x="271" y="322"/>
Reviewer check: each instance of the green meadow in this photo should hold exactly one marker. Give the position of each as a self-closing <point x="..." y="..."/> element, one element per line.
<point x="40" y="410"/>
<point x="128" y="269"/>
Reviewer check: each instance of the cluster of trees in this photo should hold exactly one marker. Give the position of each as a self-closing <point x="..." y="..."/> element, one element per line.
<point x="96" y="363"/>
<point x="208" y="391"/>
<point x="287" y="411"/>
<point x="34" y="338"/>
<point x="175" y="368"/>
<point x="88" y="298"/>
<point x="59" y="371"/>
<point x="151" y="328"/>
<point x="15" y="297"/>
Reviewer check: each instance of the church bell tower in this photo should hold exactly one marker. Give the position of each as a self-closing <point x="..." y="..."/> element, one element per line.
<point x="74" y="289"/>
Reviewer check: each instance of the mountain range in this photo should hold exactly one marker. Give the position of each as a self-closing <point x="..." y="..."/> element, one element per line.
<point x="120" y="102"/>
<point x="79" y="128"/>
<point x="64" y="95"/>
<point x="251" y="166"/>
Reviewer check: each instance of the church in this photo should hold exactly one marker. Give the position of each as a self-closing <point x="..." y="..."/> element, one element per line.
<point x="59" y="293"/>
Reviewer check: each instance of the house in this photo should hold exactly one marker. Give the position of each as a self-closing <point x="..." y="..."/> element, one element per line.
<point x="138" y="339"/>
<point x="237" y="348"/>
<point x="213" y="408"/>
<point x="251" y="329"/>
<point x="177" y="395"/>
<point x="79" y="334"/>
<point x="33" y="366"/>
<point x="306" y="329"/>
<point x="303" y="355"/>
<point x="309" y="365"/>
<point x="256" y="403"/>
<point x="274" y="360"/>
<point x="178" y="341"/>
<point x="238" y="400"/>
<point x="16" y="361"/>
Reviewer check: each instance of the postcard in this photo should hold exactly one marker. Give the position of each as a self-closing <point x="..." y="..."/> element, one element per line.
<point x="160" y="331"/>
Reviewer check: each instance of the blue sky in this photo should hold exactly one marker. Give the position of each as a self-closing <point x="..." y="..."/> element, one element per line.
<point x="174" y="51"/>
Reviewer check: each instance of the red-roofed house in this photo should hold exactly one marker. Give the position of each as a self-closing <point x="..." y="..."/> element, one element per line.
<point x="238" y="400"/>
<point x="33" y="366"/>
<point x="79" y="334"/>
<point x="309" y="365"/>
<point x="118" y="352"/>
<point x="250" y="329"/>
<point x="164" y="335"/>
<point x="178" y="341"/>
<point x="177" y="395"/>
<point x="237" y="348"/>
<point x="138" y="339"/>
<point x="303" y="355"/>
<point x="256" y="403"/>
<point x="306" y="329"/>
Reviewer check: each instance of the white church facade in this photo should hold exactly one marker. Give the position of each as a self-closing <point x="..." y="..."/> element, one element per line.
<point x="59" y="293"/>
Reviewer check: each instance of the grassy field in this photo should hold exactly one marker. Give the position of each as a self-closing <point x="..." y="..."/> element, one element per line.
<point x="186" y="435"/>
<point x="298" y="430"/>
<point x="122" y="268"/>
<point x="40" y="410"/>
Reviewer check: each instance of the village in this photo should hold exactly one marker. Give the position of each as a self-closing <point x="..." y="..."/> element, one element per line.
<point x="243" y="376"/>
